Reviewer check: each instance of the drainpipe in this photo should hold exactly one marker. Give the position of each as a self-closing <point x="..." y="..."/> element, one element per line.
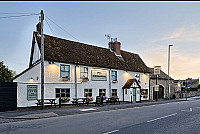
<point x="110" y="83"/>
<point x="123" y="94"/>
<point x="75" y="82"/>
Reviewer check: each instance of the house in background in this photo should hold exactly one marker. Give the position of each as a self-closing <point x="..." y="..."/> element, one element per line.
<point x="189" y="82"/>
<point x="162" y="81"/>
<point x="188" y="86"/>
<point x="74" y="69"/>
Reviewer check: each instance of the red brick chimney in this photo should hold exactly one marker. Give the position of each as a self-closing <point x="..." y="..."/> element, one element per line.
<point x="115" y="46"/>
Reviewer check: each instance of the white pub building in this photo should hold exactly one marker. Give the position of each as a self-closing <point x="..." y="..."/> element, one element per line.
<point x="73" y="69"/>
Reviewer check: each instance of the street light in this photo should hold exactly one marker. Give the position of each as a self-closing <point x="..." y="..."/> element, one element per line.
<point x="170" y="45"/>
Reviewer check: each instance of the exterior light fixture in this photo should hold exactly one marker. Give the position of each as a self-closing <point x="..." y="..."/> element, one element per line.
<point x="51" y="62"/>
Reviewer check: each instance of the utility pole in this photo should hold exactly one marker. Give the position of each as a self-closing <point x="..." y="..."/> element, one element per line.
<point x="168" y="71"/>
<point x="42" y="59"/>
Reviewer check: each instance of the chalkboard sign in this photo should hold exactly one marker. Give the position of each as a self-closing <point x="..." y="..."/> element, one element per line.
<point x="98" y="100"/>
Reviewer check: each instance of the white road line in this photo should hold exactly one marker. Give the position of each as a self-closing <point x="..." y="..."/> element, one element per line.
<point x="111" y="131"/>
<point x="87" y="109"/>
<point x="187" y="110"/>
<point x="162" y="117"/>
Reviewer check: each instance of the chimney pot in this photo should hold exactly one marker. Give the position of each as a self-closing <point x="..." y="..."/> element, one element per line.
<point x="115" y="46"/>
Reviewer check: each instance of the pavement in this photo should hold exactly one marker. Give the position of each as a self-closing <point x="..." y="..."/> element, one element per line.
<point x="49" y="112"/>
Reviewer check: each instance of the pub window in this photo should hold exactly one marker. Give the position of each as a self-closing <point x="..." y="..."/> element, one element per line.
<point x="114" y="92"/>
<point x="88" y="92"/>
<point x="84" y="72"/>
<point x="32" y="92"/>
<point x="102" y="92"/>
<point x="64" y="71"/>
<point x="114" y="75"/>
<point x="62" y="92"/>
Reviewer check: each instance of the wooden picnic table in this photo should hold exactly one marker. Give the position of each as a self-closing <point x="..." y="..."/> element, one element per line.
<point x="113" y="99"/>
<point x="82" y="100"/>
<point x="50" y="101"/>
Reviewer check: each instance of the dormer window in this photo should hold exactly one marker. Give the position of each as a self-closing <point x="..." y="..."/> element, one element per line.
<point x="64" y="71"/>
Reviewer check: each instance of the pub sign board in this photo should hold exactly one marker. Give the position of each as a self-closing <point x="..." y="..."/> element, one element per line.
<point x="157" y="70"/>
<point x="99" y="75"/>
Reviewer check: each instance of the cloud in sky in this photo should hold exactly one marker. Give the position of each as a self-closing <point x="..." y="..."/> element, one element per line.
<point x="185" y="56"/>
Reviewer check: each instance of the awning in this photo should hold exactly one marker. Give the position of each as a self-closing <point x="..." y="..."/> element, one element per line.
<point x="130" y="82"/>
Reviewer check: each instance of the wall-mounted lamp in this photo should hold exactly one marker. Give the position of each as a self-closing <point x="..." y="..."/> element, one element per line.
<point x="51" y="62"/>
<point x="31" y="78"/>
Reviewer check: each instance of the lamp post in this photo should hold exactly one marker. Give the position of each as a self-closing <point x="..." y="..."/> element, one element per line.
<point x="170" y="45"/>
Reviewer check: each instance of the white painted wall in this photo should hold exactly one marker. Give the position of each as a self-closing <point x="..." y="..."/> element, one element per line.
<point x="53" y="80"/>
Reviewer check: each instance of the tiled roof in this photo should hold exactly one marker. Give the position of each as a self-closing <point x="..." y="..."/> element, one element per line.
<point x="162" y="75"/>
<point x="62" y="50"/>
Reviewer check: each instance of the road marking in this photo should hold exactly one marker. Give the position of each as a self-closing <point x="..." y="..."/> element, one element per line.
<point x="111" y="131"/>
<point x="162" y="117"/>
<point x="196" y="107"/>
<point x="187" y="110"/>
<point x="87" y="109"/>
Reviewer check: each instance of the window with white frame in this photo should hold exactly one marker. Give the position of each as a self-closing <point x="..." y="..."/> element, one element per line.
<point x="32" y="92"/>
<point x="102" y="92"/>
<point x="114" y="75"/>
<point x="84" y="72"/>
<point x="88" y="92"/>
<point x="62" y="92"/>
<point x="64" y="71"/>
<point x="114" y="92"/>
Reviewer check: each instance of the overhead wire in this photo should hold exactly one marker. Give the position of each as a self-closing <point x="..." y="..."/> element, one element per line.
<point x="62" y="28"/>
<point x="4" y="17"/>
<point x="50" y="28"/>
<point x="17" y="13"/>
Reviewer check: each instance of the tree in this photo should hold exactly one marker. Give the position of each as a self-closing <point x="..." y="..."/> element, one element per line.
<point x="6" y="75"/>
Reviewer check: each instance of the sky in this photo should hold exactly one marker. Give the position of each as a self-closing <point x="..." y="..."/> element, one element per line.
<point x="144" y="28"/>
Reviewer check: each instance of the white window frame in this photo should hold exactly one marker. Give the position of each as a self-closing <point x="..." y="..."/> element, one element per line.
<point x="89" y="89"/>
<point x="65" y="70"/>
<point x="114" y="93"/>
<point x="102" y="90"/>
<point x="85" y="71"/>
<point x="66" y="94"/>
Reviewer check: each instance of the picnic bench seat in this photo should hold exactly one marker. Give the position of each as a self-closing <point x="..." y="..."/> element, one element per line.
<point x="113" y="100"/>
<point x="82" y="100"/>
<point x="50" y="101"/>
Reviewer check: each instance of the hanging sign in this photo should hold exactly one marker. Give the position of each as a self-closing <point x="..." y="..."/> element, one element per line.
<point x="157" y="70"/>
<point x="156" y="88"/>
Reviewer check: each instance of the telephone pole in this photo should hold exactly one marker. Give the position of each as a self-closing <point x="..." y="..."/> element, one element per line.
<point x="42" y="59"/>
